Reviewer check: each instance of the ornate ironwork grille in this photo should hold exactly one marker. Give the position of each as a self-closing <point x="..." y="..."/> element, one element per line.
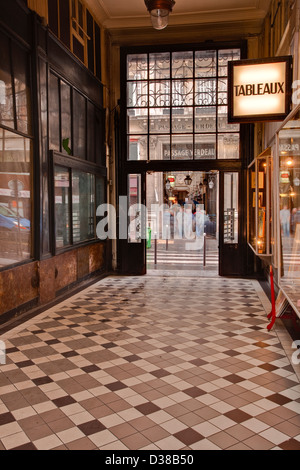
<point x="177" y="106"/>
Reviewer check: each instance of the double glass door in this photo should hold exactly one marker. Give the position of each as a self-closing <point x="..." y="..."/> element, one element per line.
<point x="183" y="220"/>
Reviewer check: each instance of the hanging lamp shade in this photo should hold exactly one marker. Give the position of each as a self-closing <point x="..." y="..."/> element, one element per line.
<point x="159" y="12"/>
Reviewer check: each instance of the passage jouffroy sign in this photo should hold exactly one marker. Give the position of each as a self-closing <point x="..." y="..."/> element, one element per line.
<point x="259" y="90"/>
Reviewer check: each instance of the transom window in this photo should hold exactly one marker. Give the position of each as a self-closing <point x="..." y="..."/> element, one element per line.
<point x="177" y="106"/>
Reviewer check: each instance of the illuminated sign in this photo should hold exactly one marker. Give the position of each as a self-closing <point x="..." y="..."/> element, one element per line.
<point x="259" y="90"/>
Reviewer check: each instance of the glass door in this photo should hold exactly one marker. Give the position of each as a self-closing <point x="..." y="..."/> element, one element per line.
<point x="132" y="227"/>
<point x="230" y="246"/>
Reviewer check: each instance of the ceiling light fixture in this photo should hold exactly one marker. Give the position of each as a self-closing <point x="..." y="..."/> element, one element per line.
<point x="159" y="11"/>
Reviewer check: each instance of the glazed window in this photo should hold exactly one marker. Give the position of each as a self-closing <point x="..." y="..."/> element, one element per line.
<point x="77" y="193"/>
<point x="79" y="36"/>
<point x="16" y="149"/>
<point x="75" y="26"/>
<point x="177" y="106"/>
<point x="76" y="125"/>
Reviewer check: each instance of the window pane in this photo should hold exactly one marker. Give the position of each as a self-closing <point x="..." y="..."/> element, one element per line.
<point x="83" y="206"/>
<point x="134" y="209"/>
<point x="222" y="92"/>
<point x="205" y="147"/>
<point x="22" y="89"/>
<point x="137" y="67"/>
<point x="289" y="201"/>
<point x="159" y="65"/>
<point x="66" y="133"/>
<point x="137" y="121"/>
<point x="137" y="147"/>
<point x="182" y="64"/>
<point x="228" y="146"/>
<point x="100" y="190"/>
<point x="231" y="203"/>
<point x="182" y="93"/>
<point x="182" y="147"/>
<point x="54" y="117"/>
<point x="159" y="121"/>
<point x="223" y="125"/>
<point x="224" y="56"/>
<point x="206" y="92"/>
<point x="205" y="63"/>
<point x="62" y="207"/>
<point x="137" y="94"/>
<point x="182" y="120"/>
<point x="159" y="93"/>
<point x="79" y="119"/>
<point x="205" y="119"/>
<point x="6" y="90"/>
<point x="15" y="198"/>
<point x="159" y="147"/>
<point x="90" y="132"/>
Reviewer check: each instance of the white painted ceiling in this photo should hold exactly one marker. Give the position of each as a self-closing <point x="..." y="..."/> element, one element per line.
<point x="133" y="13"/>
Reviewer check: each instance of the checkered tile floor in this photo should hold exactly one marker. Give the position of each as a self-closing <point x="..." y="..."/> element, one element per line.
<point x="151" y="363"/>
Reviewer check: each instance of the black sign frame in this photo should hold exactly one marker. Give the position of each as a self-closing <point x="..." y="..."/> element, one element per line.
<point x="232" y="118"/>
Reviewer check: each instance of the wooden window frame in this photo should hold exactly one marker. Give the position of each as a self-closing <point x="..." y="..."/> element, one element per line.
<point x="75" y="32"/>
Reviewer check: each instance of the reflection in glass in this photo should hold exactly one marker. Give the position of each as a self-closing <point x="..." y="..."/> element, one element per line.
<point x="15" y="198"/>
<point x="65" y="93"/>
<point x="6" y="89"/>
<point x="83" y="206"/>
<point x="79" y="123"/>
<point x="289" y="194"/>
<point x="22" y="89"/>
<point x="62" y="207"/>
<point x="54" y="131"/>
<point x="252" y="207"/>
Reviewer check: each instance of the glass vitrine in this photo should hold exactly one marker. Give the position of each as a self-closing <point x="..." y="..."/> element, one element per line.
<point x="259" y="204"/>
<point x="288" y="144"/>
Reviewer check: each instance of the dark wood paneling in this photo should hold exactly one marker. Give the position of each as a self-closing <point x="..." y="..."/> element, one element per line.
<point x="66" y="65"/>
<point x="53" y="16"/>
<point x="64" y="13"/>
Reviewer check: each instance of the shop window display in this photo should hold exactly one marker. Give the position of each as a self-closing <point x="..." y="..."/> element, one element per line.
<point x="289" y="207"/>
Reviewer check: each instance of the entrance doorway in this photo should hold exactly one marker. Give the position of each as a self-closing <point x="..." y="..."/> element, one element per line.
<point x="182" y="223"/>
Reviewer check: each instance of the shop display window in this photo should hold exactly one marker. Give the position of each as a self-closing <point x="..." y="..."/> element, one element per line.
<point x="259" y="204"/>
<point x="289" y="207"/>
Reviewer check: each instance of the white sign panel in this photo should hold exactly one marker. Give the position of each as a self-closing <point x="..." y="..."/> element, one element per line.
<point x="259" y="90"/>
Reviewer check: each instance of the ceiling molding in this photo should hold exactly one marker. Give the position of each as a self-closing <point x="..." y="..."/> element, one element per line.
<point x="186" y="34"/>
<point x="220" y="16"/>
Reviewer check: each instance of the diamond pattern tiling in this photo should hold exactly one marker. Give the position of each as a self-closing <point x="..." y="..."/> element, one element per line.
<point x="151" y="363"/>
